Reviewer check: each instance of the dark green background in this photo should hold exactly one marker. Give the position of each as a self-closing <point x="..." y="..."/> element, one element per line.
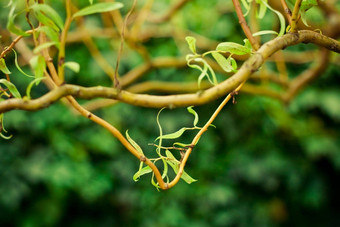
<point x="265" y="164"/>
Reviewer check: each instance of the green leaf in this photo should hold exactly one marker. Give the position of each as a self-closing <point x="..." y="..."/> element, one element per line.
<point x="226" y="63"/>
<point x="98" y="8"/>
<point x="45" y="20"/>
<point x="91" y="2"/>
<point x="11" y="87"/>
<point x="133" y="143"/>
<point x="265" y="32"/>
<point x="43" y="46"/>
<point x="192" y="111"/>
<point x="158" y="150"/>
<point x="233" y="48"/>
<point x="192" y="43"/>
<point x="36" y="81"/>
<point x="174" y="163"/>
<point x="280" y="16"/>
<point x="262" y="10"/>
<point x="141" y="172"/>
<point x="174" y="135"/>
<point x="11" y="26"/>
<point x="74" y="66"/>
<point x="3" y="67"/>
<point x="48" y="11"/>
<point x="17" y="64"/>
<point x="38" y="64"/>
<point x="50" y="33"/>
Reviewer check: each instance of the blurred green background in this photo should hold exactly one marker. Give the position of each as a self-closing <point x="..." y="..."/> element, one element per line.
<point x="265" y="164"/>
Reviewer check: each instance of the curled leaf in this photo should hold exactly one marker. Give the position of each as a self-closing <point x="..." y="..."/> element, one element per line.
<point x="133" y="143"/>
<point x="141" y="172"/>
<point x="3" y="67"/>
<point x="192" y="111"/>
<point x="192" y="43"/>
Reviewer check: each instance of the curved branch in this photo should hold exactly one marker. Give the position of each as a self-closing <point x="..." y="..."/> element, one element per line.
<point x="172" y="101"/>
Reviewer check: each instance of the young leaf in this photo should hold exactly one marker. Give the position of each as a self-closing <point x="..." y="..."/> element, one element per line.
<point x="11" y="26"/>
<point x="133" y="143"/>
<point x="50" y="12"/>
<point x="30" y="85"/>
<point x="74" y="66"/>
<point x="98" y="8"/>
<point x="158" y="150"/>
<point x="43" y="46"/>
<point x="233" y="48"/>
<point x="280" y="16"/>
<point x="11" y="87"/>
<point x="174" y="163"/>
<point x="38" y="64"/>
<point x="91" y="2"/>
<point x="2" y="128"/>
<point x="17" y="64"/>
<point x="263" y="9"/>
<point x="142" y="172"/>
<point x="265" y="32"/>
<point x="50" y="33"/>
<point x="192" y="111"/>
<point x="3" y="67"/>
<point x="192" y="43"/>
<point x="45" y="20"/>
<point x="174" y="135"/>
<point x="225" y="64"/>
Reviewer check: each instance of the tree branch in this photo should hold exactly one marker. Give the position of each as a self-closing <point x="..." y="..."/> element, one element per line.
<point x="172" y="101"/>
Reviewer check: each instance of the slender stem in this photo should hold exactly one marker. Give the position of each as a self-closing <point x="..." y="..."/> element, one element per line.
<point x="244" y="25"/>
<point x="200" y="133"/>
<point x="116" y="81"/>
<point x="295" y="16"/>
<point x="61" y="57"/>
<point x="287" y="11"/>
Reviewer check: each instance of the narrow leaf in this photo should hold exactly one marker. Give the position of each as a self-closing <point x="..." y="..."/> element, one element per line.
<point x="11" y="87"/>
<point x="223" y="62"/>
<point x="50" y="33"/>
<point x="11" y="26"/>
<point x="38" y="64"/>
<point x="174" y="135"/>
<point x="133" y="143"/>
<point x="193" y="112"/>
<point x="192" y="43"/>
<point x="43" y="46"/>
<point x="141" y="172"/>
<point x="280" y="16"/>
<point x="3" y="67"/>
<point x="265" y="32"/>
<point x="174" y="163"/>
<point x="45" y="20"/>
<point x="98" y="8"/>
<point x="233" y="48"/>
<point x="17" y="64"/>
<point x="50" y="12"/>
<point x="30" y="85"/>
<point x="74" y="66"/>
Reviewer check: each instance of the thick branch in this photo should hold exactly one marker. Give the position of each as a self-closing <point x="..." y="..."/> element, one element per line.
<point x="172" y="101"/>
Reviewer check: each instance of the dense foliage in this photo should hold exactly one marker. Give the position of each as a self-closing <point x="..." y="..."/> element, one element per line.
<point x="266" y="163"/>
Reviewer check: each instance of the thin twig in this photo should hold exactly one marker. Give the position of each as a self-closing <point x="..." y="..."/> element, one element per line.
<point x="116" y="81"/>
<point x="287" y="11"/>
<point x="245" y="26"/>
<point x="295" y="16"/>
